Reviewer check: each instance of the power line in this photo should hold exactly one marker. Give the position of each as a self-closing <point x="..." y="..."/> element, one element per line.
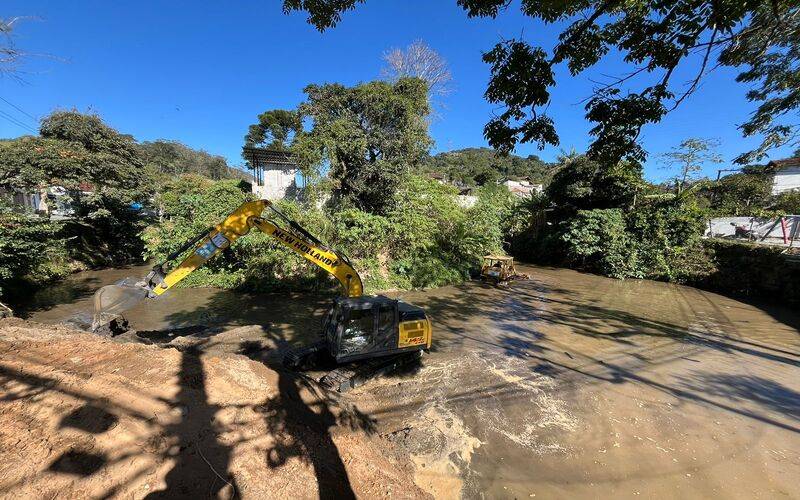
<point x="19" y="109"/>
<point x="16" y="122"/>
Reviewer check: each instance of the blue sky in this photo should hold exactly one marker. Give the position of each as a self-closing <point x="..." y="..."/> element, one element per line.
<point x="200" y="71"/>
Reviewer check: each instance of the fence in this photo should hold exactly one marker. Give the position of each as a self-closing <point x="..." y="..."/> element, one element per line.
<point x="783" y="230"/>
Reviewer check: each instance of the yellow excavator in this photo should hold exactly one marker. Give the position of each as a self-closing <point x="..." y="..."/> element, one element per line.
<point x="379" y="334"/>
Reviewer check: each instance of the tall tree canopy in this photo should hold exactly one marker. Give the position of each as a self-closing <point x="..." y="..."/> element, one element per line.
<point x="656" y="38"/>
<point x="366" y="136"/>
<point x="275" y="129"/>
<point x="72" y="148"/>
<point x="688" y="158"/>
<point x="420" y="61"/>
<point x="584" y="184"/>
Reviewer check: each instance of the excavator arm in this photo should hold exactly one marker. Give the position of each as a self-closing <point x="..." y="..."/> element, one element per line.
<point x="238" y="224"/>
<point x="112" y="300"/>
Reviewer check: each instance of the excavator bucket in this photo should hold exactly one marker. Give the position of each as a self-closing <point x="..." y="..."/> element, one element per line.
<point x="112" y="300"/>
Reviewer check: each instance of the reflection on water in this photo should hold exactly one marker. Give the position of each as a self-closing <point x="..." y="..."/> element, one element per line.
<point x="555" y="300"/>
<point x="71" y="302"/>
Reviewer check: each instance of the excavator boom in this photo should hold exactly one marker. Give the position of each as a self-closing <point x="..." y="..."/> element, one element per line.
<point x="114" y="299"/>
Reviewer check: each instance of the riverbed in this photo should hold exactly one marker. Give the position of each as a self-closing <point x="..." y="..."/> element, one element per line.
<point x="568" y="385"/>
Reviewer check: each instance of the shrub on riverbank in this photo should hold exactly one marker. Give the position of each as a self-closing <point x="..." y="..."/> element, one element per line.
<point x="33" y="252"/>
<point x="425" y="239"/>
<point x="609" y="221"/>
<point x="747" y="270"/>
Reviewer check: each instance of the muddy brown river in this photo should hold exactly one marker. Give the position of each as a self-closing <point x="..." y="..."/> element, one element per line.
<point x="567" y="385"/>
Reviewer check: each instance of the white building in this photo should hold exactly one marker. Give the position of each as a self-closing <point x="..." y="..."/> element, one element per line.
<point x="274" y="173"/>
<point x="787" y="175"/>
<point x="522" y="187"/>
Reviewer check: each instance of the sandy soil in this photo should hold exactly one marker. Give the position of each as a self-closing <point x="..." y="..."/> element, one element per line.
<point x="82" y="416"/>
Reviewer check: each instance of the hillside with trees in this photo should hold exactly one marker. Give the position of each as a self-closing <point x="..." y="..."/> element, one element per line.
<point x="480" y="166"/>
<point x="170" y="158"/>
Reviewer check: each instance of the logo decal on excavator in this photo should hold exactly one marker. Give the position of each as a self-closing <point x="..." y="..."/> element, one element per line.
<point x="304" y="247"/>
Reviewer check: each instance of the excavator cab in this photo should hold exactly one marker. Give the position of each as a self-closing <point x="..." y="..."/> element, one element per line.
<point x="358" y="328"/>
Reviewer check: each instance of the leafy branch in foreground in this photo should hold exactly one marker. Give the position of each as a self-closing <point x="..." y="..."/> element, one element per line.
<point x="658" y="39"/>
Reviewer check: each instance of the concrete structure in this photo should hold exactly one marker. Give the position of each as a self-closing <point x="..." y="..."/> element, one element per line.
<point x="274" y="173"/>
<point x="522" y="187"/>
<point x="787" y="175"/>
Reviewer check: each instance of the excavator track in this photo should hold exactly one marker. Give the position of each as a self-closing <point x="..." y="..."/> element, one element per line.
<point x="349" y="377"/>
<point x="304" y="357"/>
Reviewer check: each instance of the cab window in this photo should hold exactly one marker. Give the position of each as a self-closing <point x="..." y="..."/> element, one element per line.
<point x="357" y="334"/>
<point x="385" y="318"/>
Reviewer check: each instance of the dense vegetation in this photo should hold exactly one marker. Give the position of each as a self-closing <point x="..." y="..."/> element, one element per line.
<point x="372" y="197"/>
<point x="425" y="239"/>
<point x="610" y="221"/>
<point x="366" y="137"/>
<point x="109" y="178"/>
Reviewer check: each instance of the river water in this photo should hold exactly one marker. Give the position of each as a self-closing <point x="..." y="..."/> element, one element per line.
<point x="564" y="385"/>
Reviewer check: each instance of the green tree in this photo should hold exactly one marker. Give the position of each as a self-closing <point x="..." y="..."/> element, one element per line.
<point x="581" y="183"/>
<point x="367" y="136"/>
<point x="29" y="162"/>
<point x="599" y="240"/>
<point x="788" y="202"/>
<point x="104" y="169"/>
<point x="658" y="40"/>
<point x="745" y="193"/>
<point x="688" y="159"/>
<point x="112" y="160"/>
<point x="29" y="248"/>
<point x="275" y="129"/>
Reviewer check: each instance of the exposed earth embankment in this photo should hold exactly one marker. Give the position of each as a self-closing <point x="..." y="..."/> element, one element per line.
<point x="82" y="416"/>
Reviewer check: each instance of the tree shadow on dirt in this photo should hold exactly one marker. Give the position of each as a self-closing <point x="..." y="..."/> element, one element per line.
<point x="201" y="460"/>
<point x="302" y="415"/>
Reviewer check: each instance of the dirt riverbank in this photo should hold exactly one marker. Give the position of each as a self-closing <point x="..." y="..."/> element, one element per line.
<point x="84" y="417"/>
<point x="568" y="385"/>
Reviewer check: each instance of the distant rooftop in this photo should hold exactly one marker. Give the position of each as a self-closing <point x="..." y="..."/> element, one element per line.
<point x="785" y="163"/>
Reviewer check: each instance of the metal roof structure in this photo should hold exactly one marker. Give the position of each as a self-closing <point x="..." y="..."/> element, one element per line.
<point x="269" y="159"/>
<point x="262" y="156"/>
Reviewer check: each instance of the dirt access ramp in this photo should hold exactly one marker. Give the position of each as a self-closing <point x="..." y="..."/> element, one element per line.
<point x="82" y="416"/>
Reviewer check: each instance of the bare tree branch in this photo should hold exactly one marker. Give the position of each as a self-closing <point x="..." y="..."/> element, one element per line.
<point x="421" y="61"/>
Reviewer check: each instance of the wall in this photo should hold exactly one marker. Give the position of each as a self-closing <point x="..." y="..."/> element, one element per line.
<point x="768" y="229"/>
<point x="786" y="179"/>
<point x="279" y="183"/>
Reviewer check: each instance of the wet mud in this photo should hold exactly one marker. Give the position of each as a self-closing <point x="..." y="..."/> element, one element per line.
<point x="564" y="385"/>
